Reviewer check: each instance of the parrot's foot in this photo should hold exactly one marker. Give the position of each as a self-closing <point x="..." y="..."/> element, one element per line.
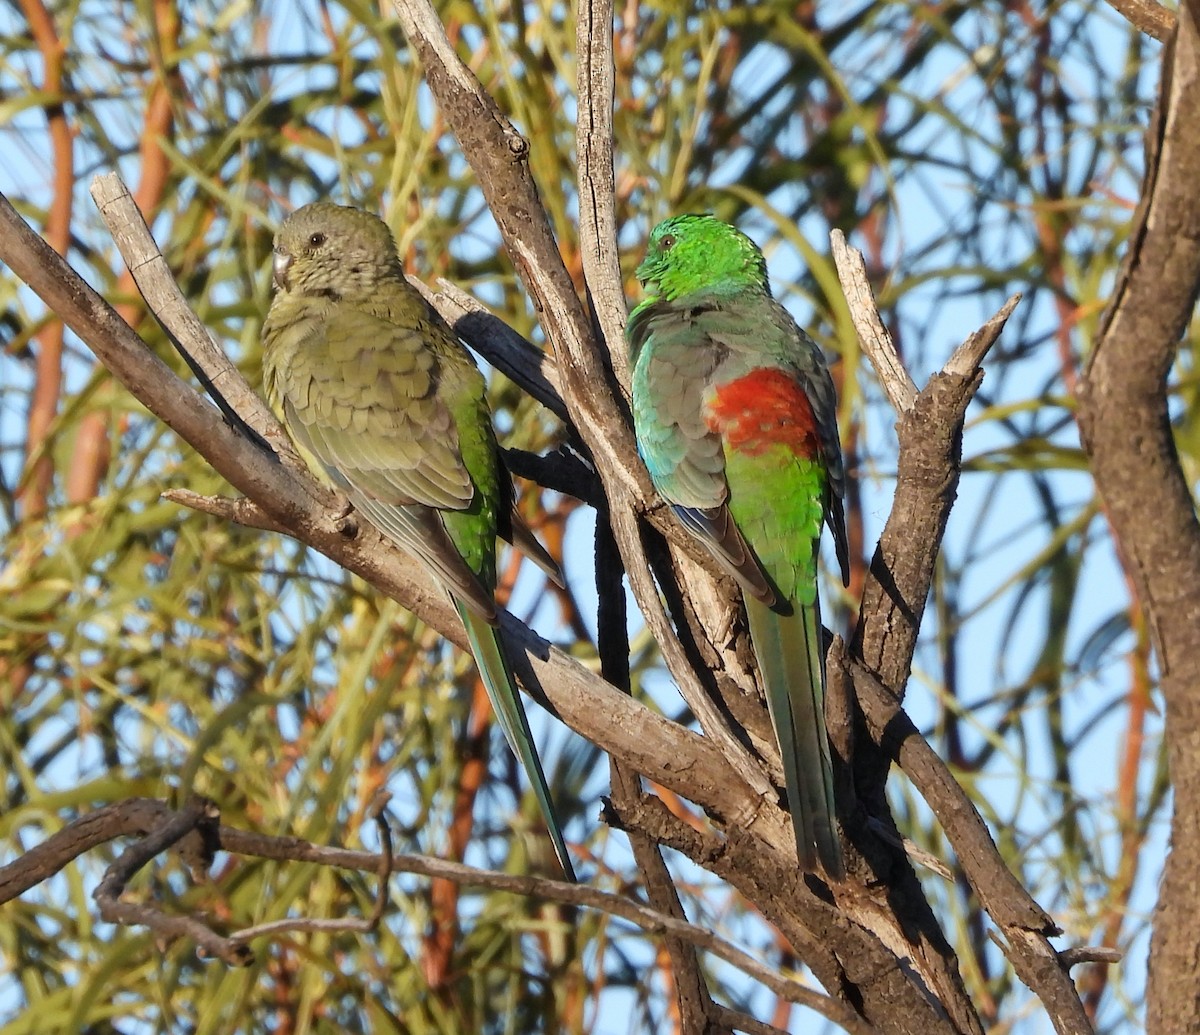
<point x="345" y="520"/>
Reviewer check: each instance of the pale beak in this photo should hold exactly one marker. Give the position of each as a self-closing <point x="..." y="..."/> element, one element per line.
<point x="280" y="266"/>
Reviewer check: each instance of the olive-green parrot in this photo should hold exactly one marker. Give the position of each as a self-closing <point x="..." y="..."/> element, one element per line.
<point x="383" y="399"/>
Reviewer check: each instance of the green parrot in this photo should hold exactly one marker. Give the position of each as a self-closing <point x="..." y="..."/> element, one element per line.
<point x="383" y="400"/>
<point x="735" y="414"/>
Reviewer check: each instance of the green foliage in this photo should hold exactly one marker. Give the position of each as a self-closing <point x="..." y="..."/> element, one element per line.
<point x="972" y="149"/>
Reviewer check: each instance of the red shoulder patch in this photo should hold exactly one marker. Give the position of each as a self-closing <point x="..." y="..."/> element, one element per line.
<point x="765" y="408"/>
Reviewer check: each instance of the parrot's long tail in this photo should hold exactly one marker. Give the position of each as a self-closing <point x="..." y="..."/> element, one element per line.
<point x="502" y="690"/>
<point x="788" y="648"/>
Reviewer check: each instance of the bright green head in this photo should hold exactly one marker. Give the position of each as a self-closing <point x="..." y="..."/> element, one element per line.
<point x="324" y="248"/>
<point x="694" y="253"/>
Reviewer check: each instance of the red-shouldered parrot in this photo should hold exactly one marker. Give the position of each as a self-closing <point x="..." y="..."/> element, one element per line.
<point x="735" y="414"/>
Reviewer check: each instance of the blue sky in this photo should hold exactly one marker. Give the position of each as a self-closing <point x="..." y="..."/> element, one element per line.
<point x="996" y="522"/>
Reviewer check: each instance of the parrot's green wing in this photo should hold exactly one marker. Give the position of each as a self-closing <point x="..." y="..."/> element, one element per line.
<point x="378" y="393"/>
<point x="735" y="414"/>
<point x="685" y="458"/>
<point x="366" y="398"/>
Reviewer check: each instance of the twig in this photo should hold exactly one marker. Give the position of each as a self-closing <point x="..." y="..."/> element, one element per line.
<point x="197" y="814"/>
<point x="239" y="509"/>
<point x="225" y="385"/>
<point x="735" y="1020"/>
<point x="1089" y="954"/>
<point x="364" y="925"/>
<point x="965" y="360"/>
<point x="167" y="827"/>
<point x="874" y="337"/>
<point x="1046" y="970"/>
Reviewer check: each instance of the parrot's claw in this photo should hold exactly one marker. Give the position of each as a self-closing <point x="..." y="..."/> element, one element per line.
<point x="345" y="520"/>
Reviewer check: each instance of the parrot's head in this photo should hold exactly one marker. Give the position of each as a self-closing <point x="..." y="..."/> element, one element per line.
<point x="332" y="250"/>
<point x="700" y="253"/>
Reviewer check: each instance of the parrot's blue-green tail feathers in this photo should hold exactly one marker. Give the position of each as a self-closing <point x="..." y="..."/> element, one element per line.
<point x="788" y="649"/>
<point x="502" y="690"/>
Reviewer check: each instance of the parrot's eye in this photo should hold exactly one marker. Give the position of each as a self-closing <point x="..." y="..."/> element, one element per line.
<point x="316" y="240"/>
<point x="667" y="243"/>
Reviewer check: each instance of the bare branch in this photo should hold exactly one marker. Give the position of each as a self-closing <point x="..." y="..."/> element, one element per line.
<point x="294" y="849"/>
<point x="1002" y="895"/>
<point x="163" y="827"/>
<point x="874" y="337"/>
<point x="930" y="432"/>
<point x="164" y="299"/>
<point x="735" y="1020"/>
<point x="364" y="925"/>
<point x="199" y="814"/>
<point x="1147" y="16"/>
<point x="596" y="92"/>
<point x="1089" y="954"/>
<point x="966" y="360"/>
<point x="134" y="816"/>
<point x="1025" y="924"/>
<point x="1125" y="427"/>
<point x="239" y="509"/>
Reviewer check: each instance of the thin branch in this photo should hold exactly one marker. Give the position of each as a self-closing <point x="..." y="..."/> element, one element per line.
<point x="362" y="925"/>
<point x="735" y="1020"/>
<point x="241" y="405"/>
<point x="872" y="334"/>
<point x="1147" y="16"/>
<point x="965" y="360"/>
<point x="197" y="815"/>
<point x="1025" y="924"/>
<point x="240" y="509"/>
<point x="649" y="920"/>
<point x="163" y="827"/>
<point x="561" y="469"/>
<point x="1072" y="957"/>
<point x="1002" y="895"/>
<point x="595" y="96"/>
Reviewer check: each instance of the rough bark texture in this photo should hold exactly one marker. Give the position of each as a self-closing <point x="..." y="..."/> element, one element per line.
<point x="1126" y="432"/>
<point x="873" y="940"/>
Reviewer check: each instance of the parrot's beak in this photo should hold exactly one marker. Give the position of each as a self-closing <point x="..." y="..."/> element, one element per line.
<point x="645" y="276"/>
<point x="280" y="266"/>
